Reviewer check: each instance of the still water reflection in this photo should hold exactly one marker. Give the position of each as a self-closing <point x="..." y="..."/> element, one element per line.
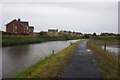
<point x="114" y="49"/>
<point x="18" y="58"/>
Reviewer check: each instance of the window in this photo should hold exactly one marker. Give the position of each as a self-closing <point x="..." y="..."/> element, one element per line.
<point x="15" y="27"/>
<point x="27" y="28"/>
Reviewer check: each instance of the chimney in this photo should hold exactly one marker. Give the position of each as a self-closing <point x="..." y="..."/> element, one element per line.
<point x="19" y="19"/>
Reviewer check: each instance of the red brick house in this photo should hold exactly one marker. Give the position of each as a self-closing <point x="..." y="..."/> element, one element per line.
<point x="52" y="32"/>
<point x="18" y="27"/>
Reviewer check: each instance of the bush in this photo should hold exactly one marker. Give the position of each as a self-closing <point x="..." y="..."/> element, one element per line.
<point x="6" y="33"/>
<point x="24" y="33"/>
<point x="17" y="41"/>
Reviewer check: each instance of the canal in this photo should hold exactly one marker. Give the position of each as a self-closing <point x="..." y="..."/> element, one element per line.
<point x="17" y="58"/>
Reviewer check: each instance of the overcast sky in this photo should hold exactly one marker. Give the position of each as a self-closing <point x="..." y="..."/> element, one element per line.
<point x="86" y="17"/>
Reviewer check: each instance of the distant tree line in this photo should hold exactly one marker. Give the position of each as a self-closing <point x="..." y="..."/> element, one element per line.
<point x="44" y="34"/>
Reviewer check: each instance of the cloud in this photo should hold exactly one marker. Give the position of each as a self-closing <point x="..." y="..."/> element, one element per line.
<point x="59" y="0"/>
<point x="82" y="16"/>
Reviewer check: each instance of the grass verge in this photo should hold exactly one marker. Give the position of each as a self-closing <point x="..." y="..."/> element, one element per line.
<point x="51" y="67"/>
<point x="106" y="61"/>
<point x="12" y="40"/>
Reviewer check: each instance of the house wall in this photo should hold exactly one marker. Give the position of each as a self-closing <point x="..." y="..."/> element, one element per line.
<point x="53" y="34"/>
<point x="31" y="32"/>
<point x="73" y="34"/>
<point x="20" y="28"/>
<point x="61" y="32"/>
<point x="49" y="33"/>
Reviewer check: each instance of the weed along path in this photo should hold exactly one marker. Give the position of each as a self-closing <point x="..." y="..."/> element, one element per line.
<point x="82" y="64"/>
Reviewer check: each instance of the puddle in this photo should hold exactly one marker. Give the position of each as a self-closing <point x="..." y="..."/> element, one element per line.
<point x="115" y="49"/>
<point x="88" y="50"/>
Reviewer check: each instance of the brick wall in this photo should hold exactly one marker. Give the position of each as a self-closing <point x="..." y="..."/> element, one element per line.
<point x="16" y="27"/>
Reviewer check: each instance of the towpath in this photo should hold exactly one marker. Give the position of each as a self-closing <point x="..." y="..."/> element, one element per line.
<point x="82" y="64"/>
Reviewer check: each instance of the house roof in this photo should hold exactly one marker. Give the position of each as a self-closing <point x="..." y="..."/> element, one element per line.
<point x="52" y="30"/>
<point x="80" y="33"/>
<point x="11" y="21"/>
<point x="73" y="32"/>
<point x="69" y="32"/>
<point x="31" y="27"/>
<point x="24" y="23"/>
<point x="65" y="31"/>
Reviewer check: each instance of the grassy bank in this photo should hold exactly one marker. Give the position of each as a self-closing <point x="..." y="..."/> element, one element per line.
<point x="51" y="67"/>
<point x="11" y="41"/>
<point x="106" y="61"/>
<point x="110" y="40"/>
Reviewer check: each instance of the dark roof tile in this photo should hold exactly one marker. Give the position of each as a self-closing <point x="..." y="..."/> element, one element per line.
<point x="31" y="27"/>
<point x="24" y="23"/>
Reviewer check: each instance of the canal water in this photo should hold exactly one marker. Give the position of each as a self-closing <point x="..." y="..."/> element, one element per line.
<point x="114" y="49"/>
<point x="17" y="58"/>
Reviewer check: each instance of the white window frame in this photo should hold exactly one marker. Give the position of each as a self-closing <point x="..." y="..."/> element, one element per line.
<point x="16" y="27"/>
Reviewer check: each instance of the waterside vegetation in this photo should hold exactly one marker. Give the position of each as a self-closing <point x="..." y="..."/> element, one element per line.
<point x="11" y="41"/>
<point x="51" y="67"/>
<point x="107" y="62"/>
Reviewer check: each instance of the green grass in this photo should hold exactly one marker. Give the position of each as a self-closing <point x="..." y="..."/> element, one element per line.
<point x="106" y="61"/>
<point x="11" y="41"/>
<point x="51" y="67"/>
<point x="108" y="42"/>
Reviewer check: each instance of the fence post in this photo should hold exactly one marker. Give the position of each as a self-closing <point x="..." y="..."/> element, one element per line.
<point x="104" y="46"/>
<point x="91" y="41"/>
<point x="94" y="42"/>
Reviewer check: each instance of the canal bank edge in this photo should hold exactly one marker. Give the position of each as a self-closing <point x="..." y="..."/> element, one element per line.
<point x="50" y="67"/>
<point x="107" y="62"/>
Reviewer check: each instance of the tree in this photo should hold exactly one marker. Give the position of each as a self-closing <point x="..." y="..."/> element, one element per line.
<point x="94" y="34"/>
<point x="87" y="35"/>
<point x="64" y="36"/>
<point x="108" y="34"/>
<point x="24" y="33"/>
<point x="42" y="33"/>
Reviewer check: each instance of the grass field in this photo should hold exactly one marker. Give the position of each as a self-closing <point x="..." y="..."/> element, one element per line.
<point x="106" y="61"/>
<point x="51" y="67"/>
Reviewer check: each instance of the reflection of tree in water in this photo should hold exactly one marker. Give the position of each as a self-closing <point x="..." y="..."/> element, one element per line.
<point x="18" y="51"/>
<point x="15" y="55"/>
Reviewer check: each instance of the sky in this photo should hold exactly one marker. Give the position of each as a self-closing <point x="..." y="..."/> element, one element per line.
<point x="80" y="16"/>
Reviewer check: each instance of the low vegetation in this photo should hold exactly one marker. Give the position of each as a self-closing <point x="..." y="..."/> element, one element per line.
<point x="51" y="67"/>
<point x="106" y="61"/>
<point x="111" y="40"/>
<point x="10" y="41"/>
